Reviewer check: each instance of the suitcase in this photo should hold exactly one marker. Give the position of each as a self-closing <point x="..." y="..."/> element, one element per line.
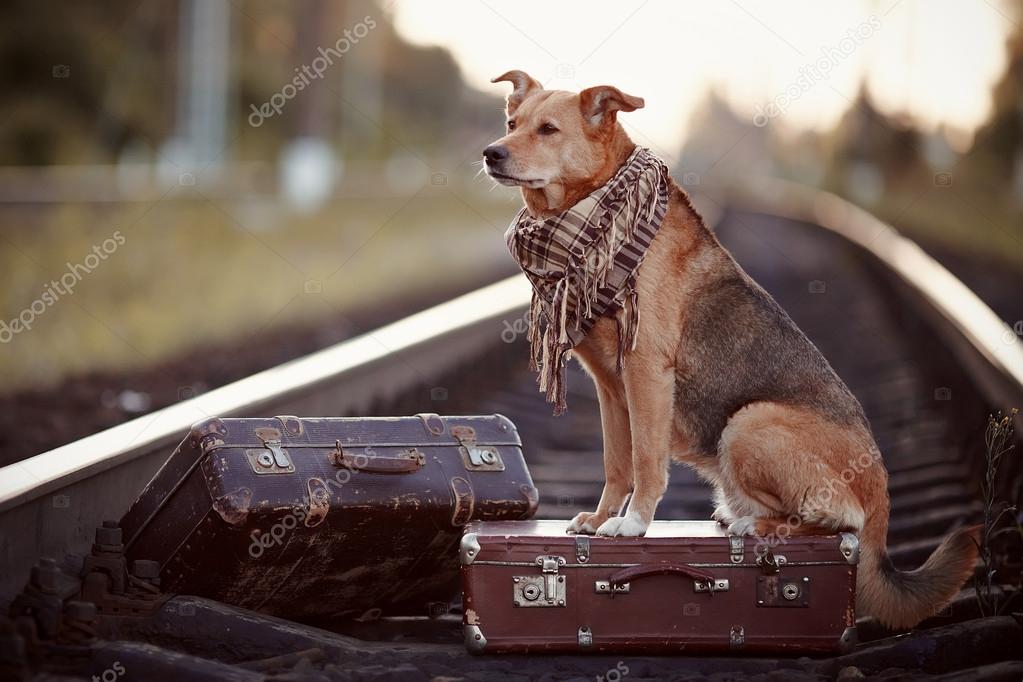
<point x="685" y="587"/>
<point x="320" y="518"/>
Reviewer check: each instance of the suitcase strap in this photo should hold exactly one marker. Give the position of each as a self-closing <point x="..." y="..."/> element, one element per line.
<point x="632" y="573"/>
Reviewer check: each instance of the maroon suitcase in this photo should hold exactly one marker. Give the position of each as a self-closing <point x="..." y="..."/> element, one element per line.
<point x="685" y="587"/>
<point x="325" y="518"/>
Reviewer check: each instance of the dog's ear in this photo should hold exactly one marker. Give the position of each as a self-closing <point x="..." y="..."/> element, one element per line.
<point x="524" y="85"/>
<point x="600" y="103"/>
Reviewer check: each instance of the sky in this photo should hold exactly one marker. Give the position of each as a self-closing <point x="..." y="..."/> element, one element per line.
<point x="793" y="64"/>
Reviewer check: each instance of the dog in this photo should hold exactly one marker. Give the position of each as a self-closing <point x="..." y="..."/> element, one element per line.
<point x="720" y="378"/>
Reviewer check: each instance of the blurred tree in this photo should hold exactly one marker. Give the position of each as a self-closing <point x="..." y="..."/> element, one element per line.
<point x="724" y="144"/>
<point x="997" y="153"/>
<point x="81" y="81"/>
<point x="873" y="153"/>
<point x="75" y="85"/>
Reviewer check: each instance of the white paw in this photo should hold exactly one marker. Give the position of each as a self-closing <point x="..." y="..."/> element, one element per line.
<point x="722" y="514"/>
<point x="629" y="525"/>
<point x="581" y="524"/>
<point x="744" y="525"/>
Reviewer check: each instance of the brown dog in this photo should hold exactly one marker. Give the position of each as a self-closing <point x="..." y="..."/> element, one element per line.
<point x="720" y="378"/>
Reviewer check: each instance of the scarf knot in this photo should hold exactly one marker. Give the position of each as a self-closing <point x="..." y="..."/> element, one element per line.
<point x="583" y="265"/>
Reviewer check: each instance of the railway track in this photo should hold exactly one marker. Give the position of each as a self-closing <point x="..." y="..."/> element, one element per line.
<point x="928" y="362"/>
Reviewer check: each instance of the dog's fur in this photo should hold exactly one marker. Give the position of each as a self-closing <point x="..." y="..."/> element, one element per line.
<point x="720" y="379"/>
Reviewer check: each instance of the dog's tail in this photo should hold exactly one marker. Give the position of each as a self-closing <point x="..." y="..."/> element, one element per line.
<point x="902" y="599"/>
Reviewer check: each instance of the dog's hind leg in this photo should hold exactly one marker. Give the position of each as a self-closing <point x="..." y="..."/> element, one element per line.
<point x="787" y="471"/>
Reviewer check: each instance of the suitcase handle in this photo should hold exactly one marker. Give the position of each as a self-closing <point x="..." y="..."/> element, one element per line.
<point x="407" y="462"/>
<point x="666" y="568"/>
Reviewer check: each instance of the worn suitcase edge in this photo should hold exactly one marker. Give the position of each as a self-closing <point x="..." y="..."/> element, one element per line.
<point x="476" y="642"/>
<point x="206" y="436"/>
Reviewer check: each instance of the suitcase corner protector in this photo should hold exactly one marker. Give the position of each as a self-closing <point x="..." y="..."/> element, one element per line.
<point x="849" y="639"/>
<point x="850" y="548"/>
<point x="469" y="548"/>
<point x="475" y="642"/>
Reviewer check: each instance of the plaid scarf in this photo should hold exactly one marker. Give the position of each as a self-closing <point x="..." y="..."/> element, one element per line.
<point x="583" y="265"/>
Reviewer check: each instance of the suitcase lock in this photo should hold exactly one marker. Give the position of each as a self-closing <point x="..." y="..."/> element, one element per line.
<point x="476" y="457"/>
<point x="541" y="591"/>
<point x="782" y="591"/>
<point x="270" y="459"/>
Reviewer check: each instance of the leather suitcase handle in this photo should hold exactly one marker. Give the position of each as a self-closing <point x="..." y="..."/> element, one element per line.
<point x="666" y="568"/>
<point x="409" y="461"/>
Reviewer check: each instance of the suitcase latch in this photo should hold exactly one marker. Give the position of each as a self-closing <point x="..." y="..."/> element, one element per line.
<point x="545" y="590"/>
<point x="270" y="459"/>
<point x="736" y="548"/>
<point x="476" y="457"/>
<point x="770" y="563"/>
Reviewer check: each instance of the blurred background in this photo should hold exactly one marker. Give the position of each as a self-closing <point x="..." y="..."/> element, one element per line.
<point x="194" y="190"/>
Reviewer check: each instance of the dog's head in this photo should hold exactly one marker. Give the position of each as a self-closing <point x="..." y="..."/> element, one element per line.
<point x="560" y="145"/>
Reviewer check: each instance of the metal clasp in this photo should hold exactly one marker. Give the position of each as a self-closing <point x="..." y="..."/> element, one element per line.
<point x="605" y="587"/>
<point x="582" y="548"/>
<point x="736" y="548"/>
<point x="476" y="457"/>
<point x="281" y="458"/>
<point x="584" y="637"/>
<point x="271" y="459"/>
<point x="712" y="586"/>
<point x="546" y="589"/>
<point x="768" y="562"/>
<point x="549" y="567"/>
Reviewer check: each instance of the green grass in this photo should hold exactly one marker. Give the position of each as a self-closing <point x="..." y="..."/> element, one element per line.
<point x="966" y="220"/>
<point x="192" y="271"/>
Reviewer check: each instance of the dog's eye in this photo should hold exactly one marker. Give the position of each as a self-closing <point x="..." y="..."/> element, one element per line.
<point x="511" y="125"/>
<point x="547" y="129"/>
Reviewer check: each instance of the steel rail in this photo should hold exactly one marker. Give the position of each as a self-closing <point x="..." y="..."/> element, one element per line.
<point x="974" y="332"/>
<point x="50" y="503"/>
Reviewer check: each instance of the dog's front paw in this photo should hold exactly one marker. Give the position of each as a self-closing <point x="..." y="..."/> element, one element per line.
<point x="629" y="525"/>
<point x="723" y="515"/>
<point x="744" y="525"/>
<point x="585" y="523"/>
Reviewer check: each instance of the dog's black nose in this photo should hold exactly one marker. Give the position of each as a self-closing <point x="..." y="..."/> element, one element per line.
<point x="495" y="153"/>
